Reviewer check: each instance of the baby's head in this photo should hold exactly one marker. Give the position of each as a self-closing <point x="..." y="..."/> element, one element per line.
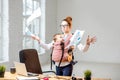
<point x="58" y="37"/>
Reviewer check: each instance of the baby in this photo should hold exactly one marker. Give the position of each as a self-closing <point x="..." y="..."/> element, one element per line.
<point x="58" y="38"/>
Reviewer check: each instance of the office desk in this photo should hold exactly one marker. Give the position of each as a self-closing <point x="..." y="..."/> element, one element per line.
<point x="9" y="76"/>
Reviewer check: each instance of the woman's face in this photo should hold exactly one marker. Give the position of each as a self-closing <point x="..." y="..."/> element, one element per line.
<point x="65" y="27"/>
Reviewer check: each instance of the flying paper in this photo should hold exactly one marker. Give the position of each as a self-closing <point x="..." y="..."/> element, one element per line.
<point x="27" y="32"/>
<point x="34" y="15"/>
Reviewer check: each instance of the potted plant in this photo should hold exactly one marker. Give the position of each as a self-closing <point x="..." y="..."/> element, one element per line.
<point x="2" y="70"/>
<point x="87" y="74"/>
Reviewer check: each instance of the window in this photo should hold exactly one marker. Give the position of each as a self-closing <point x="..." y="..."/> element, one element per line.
<point x="4" y="40"/>
<point x="0" y="30"/>
<point x="36" y="26"/>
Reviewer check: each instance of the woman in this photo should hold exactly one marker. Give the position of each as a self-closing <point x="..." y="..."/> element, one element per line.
<point x="65" y="68"/>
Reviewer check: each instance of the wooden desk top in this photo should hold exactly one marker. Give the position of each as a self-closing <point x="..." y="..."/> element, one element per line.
<point x="9" y="76"/>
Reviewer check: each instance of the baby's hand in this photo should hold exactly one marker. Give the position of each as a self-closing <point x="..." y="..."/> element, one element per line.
<point x="72" y="47"/>
<point x="70" y="50"/>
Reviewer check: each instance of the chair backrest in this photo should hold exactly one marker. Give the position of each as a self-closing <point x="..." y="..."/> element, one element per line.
<point x="31" y="60"/>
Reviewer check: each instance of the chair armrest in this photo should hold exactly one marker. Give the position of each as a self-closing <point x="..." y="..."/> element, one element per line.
<point x="49" y="72"/>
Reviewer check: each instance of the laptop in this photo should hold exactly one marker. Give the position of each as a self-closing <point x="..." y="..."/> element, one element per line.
<point x="21" y="70"/>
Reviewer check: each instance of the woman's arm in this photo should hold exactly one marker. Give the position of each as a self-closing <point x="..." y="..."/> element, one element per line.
<point x="42" y="44"/>
<point x="85" y="47"/>
<point x="46" y="46"/>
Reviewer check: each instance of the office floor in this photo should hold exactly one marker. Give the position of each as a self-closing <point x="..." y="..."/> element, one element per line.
<point x="101" y="70"/>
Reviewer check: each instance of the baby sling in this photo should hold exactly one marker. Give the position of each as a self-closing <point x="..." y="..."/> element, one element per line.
<point x="69" y="51"/>
<point x="62" y="47"/>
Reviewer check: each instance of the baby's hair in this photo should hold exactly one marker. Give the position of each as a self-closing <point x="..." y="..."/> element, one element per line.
<point x="54" y="36"/>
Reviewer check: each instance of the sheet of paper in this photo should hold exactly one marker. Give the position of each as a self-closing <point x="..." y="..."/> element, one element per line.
<point x="76" y="38"/>
<point x="27" y="78"/>
<point x="27" y="32"/>
<point x="34" y="15"/>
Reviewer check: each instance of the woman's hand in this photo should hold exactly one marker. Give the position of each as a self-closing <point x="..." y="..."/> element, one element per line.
<point x="90" y="40"/>
<point x="36" y="38"/>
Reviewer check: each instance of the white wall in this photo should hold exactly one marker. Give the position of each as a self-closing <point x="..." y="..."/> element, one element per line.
<point x="100" y="18"/>
<point x="97" y="17"/>
<point x="51" y="13"/>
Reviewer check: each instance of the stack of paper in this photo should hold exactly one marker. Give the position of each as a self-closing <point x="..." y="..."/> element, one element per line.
<point x="27" y="78"/>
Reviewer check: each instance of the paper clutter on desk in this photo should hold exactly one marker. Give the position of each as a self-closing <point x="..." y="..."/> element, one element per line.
<point x="27" y="78"/>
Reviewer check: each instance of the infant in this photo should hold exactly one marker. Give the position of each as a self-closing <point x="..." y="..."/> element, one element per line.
<point x="59" y="38"/>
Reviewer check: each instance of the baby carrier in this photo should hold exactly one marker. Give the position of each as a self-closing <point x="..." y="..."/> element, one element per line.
<point x="70" y="55"/>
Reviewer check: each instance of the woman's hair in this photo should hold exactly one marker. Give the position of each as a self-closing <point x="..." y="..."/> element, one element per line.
<point x="68" y="19"/>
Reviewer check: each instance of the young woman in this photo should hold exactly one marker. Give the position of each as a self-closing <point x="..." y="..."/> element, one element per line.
<point x="65" y="68"/>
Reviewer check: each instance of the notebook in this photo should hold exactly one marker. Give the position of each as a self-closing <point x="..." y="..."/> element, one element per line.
<point x="21" y="70"/>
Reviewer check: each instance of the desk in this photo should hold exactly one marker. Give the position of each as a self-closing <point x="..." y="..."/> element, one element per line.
<point x="9" y="76"/>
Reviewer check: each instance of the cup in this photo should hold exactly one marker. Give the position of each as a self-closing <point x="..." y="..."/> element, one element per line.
<point x="12" y="70"/>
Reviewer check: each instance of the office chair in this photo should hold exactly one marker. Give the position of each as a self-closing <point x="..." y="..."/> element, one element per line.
<point x="31" y="60"/>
